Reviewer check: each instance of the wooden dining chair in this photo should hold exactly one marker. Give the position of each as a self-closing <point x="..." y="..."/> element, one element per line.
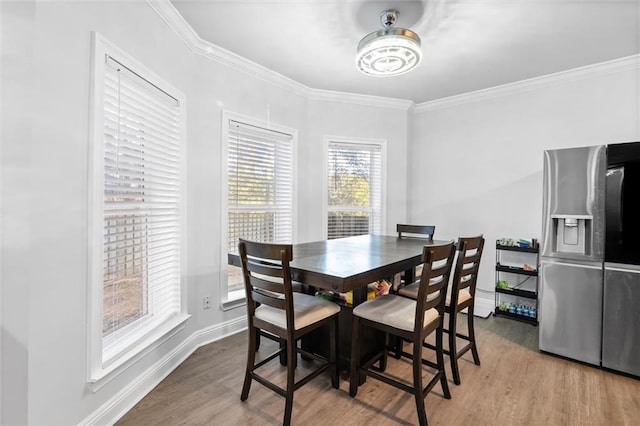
<point x="411" y="320"/>
<point x="286" y="316"/>
<point x="460" y="296"/>
<point x="424" y="232"/>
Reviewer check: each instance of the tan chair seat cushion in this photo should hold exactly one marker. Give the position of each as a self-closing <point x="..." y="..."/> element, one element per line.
<point x="396" y="311"/>
<point x="463" y="296"/>
<point x="307" y="310"/>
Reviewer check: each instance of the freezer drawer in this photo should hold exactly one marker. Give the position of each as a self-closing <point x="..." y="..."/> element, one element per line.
<point x="621" y="318"/>
<point x="570" y="311"/>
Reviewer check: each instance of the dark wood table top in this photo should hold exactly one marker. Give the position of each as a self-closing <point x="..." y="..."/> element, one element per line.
<point x="347" y="264"/>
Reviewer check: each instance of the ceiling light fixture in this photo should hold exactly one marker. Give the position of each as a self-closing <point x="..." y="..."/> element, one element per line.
<point x="390" y="51"/>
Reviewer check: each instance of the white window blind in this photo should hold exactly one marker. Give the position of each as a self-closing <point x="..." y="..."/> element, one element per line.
<point x="354" y="189"/>
<point x="141" y="209"/>
<point x="260" y="187"/>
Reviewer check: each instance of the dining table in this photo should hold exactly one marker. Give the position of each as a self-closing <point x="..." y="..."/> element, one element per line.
<point x="350" y="264"/>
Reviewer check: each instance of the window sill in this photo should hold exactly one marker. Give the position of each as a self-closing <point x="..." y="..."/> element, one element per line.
<point x="234" y="300"/>
<point x="104" y="375"/>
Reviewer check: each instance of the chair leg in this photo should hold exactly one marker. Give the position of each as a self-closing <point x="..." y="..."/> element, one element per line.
<point x="453" y="350"/>
<point x="333" y="352"/>
<point x="440" y="362"/>
<point x="282" y="343"/>
<point x="472" y="336"/>
<point x="417" y="384"/>
<point x="354" y="374"/>
<point x="398" y="347"/>
<point x="385" y="351"/>
<point x="251" y="358"/>
<point x="291" y="371"/>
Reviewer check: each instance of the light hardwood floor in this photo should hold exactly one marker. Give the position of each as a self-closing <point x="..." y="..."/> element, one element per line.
<point x="516" y="384"/>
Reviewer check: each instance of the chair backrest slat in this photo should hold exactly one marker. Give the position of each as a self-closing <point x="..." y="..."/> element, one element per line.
<point x="269" y="299"/>
<point x="267" y="286"/>
<point x="416" y="231"/>
<point x="264" y="268"/>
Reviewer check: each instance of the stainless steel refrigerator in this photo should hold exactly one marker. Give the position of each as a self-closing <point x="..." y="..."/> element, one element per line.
<point x="572" y="253"/>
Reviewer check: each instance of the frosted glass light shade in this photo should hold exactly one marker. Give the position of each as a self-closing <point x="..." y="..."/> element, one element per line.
<point x="387" y="52"/>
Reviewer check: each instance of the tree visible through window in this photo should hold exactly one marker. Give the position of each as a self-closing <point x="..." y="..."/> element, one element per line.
<point x="354" y="192"/>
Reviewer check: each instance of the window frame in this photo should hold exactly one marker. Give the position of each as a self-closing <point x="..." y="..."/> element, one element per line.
<point x="382" y="143"/>
<point x="99" y="373"/>
<point x="237" y="298"/>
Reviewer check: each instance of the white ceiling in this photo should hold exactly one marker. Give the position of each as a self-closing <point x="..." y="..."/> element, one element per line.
<point x="467" y="45"/>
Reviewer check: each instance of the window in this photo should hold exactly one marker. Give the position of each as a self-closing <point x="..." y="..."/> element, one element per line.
<point x="259" y="189"/>
<point x="136" y="209"/>
<point x="354" y="188"/>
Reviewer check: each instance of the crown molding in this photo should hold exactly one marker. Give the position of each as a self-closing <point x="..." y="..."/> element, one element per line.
<point x="354" y="98"/>
<point x="590" y="71"/>
<point x="170" y="15"/>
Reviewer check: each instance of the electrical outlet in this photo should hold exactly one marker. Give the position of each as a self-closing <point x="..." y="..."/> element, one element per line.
<point x="206" y="302"/>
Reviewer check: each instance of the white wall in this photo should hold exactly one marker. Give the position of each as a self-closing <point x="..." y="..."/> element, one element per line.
<point x="46" y="80"/>
<point x="484" y="150"/>
<point x="17" y="103"/>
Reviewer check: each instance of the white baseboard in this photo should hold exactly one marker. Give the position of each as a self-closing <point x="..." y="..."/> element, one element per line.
<point x="118" y="405"/>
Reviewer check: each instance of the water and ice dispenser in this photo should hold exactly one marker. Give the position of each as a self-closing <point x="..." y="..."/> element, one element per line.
<point x="572" y="234"/>
<point x="573" y="204"/>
